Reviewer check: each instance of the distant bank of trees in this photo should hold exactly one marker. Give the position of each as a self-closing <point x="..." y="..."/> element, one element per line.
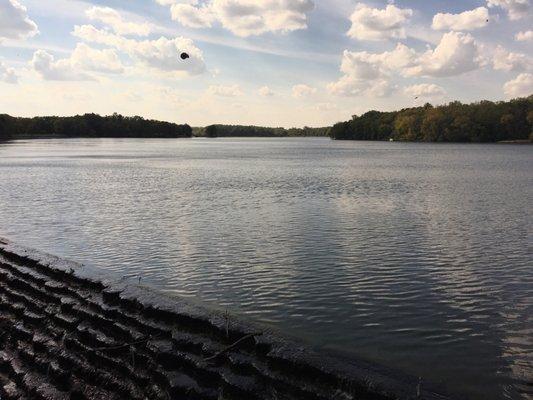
<point x="257" y="131"/>
<point x="90" y="125"/>
<point x="484" y="121"/>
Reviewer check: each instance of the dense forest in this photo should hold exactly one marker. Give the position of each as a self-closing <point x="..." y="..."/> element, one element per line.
<point x="484" y="121"/>
<point x="89" y="125"/>
<point x="257" y="131"/>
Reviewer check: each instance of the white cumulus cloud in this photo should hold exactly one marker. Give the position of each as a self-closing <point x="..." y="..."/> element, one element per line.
<point x="243" y="17"/>
<point x="14" y="21"/>
<point x="113" y="19"/>
<point x="265" y="91"/>
<point x="301" y="90"/>
<point x="379" y="24"/>
<point x="350" y="86"/>
<point x="83" y="59"/>
<point x="371" y="74"/>
<point x="7" y="75"/>
<point x="507" y="61"/>
<point x="60" y="70"/>
<point x="89" y="59"/>
<point x="516" y="9"/>
<point x="525" y="36"/>
<point x="465" y="21"/>
<point x="192" y="16"/>
<point x="521" y="86"/>
<point x="361" y="71"/>
<point x="162" y="54"/>
<point x="456" y="54"/>
<point x="425" y="90"/>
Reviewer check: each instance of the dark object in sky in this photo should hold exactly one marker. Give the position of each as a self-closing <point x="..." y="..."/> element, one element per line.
<point x="416" y="97"/>
<point x="184" y="56"/>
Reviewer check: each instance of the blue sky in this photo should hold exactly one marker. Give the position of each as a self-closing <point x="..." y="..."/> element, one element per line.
<point x="266" y="62"/>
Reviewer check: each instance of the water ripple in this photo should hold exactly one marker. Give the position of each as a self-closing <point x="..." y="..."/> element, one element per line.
<point x="414" y="255"/>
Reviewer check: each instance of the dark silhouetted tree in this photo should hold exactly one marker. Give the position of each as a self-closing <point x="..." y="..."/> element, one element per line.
<point x="484" y="121"/>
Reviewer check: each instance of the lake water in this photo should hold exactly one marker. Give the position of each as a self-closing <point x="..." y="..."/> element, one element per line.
<point x="416" y="256"/>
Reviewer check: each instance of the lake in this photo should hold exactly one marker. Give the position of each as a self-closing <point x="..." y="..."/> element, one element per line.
<point x="415" y="256"/>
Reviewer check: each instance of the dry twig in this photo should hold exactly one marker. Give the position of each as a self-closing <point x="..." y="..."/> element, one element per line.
<point x="225" y="350"/>
<point x="126" y="345"/>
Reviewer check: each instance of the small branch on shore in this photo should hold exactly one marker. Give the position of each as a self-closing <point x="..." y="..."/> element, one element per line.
<point x="226" y="317"/>
<point x="232" y="346"/>
<point x="419" y="388"/>
<point x="127" y="344"/>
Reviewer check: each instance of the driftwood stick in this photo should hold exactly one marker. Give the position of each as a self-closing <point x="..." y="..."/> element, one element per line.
<point x="126" y="345"/>
<point x="232" y="346"/>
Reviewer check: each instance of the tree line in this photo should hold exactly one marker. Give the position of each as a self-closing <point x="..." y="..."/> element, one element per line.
<point x="484" y="121"/>
<point x="89" y="125"/>
<point x="219" y="130"/>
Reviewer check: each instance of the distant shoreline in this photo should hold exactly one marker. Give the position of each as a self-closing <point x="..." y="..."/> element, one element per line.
<point x="508" y="122"/>
<point x="481" y="122"/>
<point x="56" y="137"/>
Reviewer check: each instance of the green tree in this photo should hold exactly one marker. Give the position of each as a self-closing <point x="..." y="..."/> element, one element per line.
<point x="483" y="121"/>
<point x="211" y="131"/>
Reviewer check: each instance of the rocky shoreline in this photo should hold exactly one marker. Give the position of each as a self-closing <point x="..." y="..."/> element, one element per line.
<point x="68" y="331"/>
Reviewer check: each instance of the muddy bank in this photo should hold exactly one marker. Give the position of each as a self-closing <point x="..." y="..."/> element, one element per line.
<point x="68" y="331"/>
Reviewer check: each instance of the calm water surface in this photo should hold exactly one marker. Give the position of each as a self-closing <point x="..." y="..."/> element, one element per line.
<point x="417" y="256"/>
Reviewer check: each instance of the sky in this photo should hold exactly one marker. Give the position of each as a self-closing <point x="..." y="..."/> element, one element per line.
<point x="288" y="63"/>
